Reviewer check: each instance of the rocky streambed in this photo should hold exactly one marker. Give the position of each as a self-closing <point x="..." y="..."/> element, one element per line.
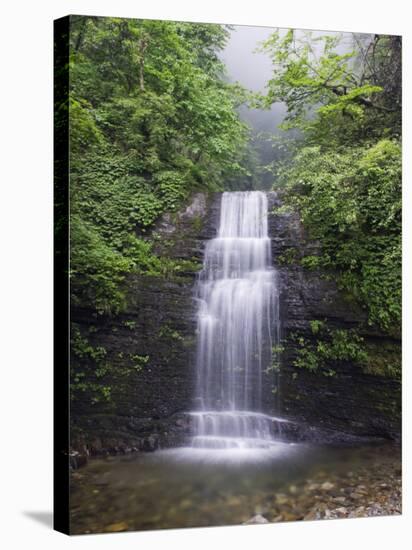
<point x="166" y="490"/>
<point x="358" y="493"/>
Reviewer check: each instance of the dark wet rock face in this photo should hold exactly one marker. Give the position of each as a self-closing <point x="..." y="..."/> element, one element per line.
<point x="150" y="346"/>
<point x="151" y="350"/>
<point x="351" y="401"/>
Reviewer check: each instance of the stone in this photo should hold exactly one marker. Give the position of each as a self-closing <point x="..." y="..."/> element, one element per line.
<point x="327" y="486"/>
<point x="281" y="499"/>
<point x="197" y="207"/>
<point x="77" y="459"/>
<point x="312" y="515"/>
<point x="256" y="520"/>
<point x="117" y="527"/>
<point x="151" y="443"/>
<point x="290" y="516"/>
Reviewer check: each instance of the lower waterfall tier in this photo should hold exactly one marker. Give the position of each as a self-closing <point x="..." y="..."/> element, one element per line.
<point x="235" y="429"/>
<point x="220" y="442"/>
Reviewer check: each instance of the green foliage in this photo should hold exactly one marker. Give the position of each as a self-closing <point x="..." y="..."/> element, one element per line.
<point x="316" y="326"/>
<point x="170" y="334"/>
<point x="351" y="202"/>
<point x="354" y="94"/>
<point x="275" y="365"/>
<point x="82" y="349"/>
<point x="307" y="358"/>
<point x="278" y="349"/>
<point x="328" y="348"/>
<point x="197" y="223"/>
<point x="96" y="270"/>
<point x="172" y="188"/>
<point x="311" y="262"/>
<point x="384" y="359"/>
<point x="84" y="133"/>
<point x="343" y="174"/>
<point x="139" y="362"/>
<point x="91" y="370"/>
<point x="283" y="209"/>
<point x="88" y="369"/>
<point x="289" y="256"/>
<point x="151" y="120"/>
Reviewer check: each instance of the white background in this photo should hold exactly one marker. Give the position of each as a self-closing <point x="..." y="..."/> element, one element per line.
<point x="26" y="269"/>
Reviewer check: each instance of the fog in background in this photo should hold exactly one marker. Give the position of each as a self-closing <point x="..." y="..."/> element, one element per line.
<point x="252" y="70"/>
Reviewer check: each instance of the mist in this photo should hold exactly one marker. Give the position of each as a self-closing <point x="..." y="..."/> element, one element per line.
<point x="252" y="69"/>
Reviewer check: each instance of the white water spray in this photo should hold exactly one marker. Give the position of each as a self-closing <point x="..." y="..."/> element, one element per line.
<point x="238" y="324"/>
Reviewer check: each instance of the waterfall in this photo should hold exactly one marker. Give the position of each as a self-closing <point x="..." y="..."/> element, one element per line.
<point x="237" y="327"/>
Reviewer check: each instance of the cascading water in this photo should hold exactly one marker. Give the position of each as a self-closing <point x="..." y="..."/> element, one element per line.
<point x="238" y="324"/>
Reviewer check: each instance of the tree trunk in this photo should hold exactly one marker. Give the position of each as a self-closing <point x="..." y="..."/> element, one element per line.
<point x="143" y="42"/>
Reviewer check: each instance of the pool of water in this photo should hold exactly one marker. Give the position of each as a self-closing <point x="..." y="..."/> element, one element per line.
<point x="190" y="487"/>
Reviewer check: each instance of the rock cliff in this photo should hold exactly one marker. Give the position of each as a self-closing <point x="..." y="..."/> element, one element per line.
<point x="150" y="348"/>
<point x="351" y="400"/>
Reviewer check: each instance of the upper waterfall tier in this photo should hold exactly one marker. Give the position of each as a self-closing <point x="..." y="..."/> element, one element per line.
<point x="234" y="257"/>
<point x="244" y="214"/>
<point x="238" y="315"/>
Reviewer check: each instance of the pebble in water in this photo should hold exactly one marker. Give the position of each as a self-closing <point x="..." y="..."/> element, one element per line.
<point x="256" y="520"/>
